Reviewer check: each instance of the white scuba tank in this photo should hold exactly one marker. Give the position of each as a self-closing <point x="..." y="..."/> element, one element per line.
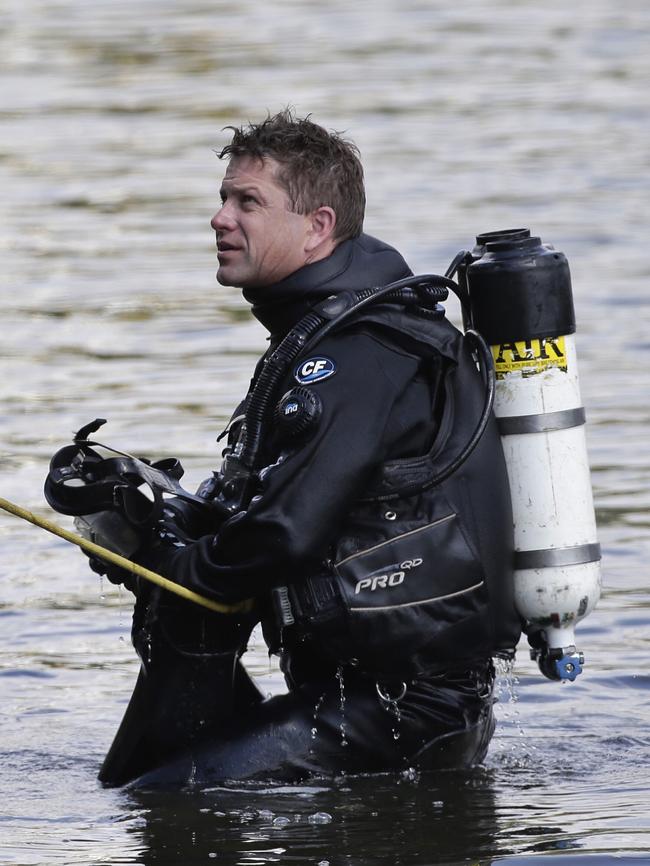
<point x="521" y="302"/>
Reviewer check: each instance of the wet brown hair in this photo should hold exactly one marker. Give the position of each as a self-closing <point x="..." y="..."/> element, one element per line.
<point x="316" y="167"/>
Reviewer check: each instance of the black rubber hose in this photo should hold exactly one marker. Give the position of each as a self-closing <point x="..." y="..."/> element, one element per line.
<point x="310" y="329"/>
<point x="487" y="374"/>
<point x="265" y="387"/>
<point x="487" y="369"/>
<point x="459" y="266"/>
<point x="322" y="321"/>
<point x="391" y="292"/>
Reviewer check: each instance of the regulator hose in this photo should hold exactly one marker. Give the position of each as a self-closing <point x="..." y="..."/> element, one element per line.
<point x="456" y="267"/>
<point x="326" y="316"/>
<point x="330" y="314"/>
<point x="433" y="289"/>
<point x="266" y="385"/>
<point x="486" y="366"/>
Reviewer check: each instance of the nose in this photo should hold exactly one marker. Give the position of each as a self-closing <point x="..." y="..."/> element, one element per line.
<point x="222" y="220"/>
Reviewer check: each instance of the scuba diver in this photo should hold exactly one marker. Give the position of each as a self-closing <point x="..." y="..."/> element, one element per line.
<point x="361" y="514"/>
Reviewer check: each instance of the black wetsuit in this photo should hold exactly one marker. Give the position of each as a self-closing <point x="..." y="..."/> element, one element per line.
<point x="324" y="497"/>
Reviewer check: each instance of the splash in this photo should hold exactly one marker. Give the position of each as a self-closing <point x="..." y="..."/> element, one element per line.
<point x="507" y="697"/>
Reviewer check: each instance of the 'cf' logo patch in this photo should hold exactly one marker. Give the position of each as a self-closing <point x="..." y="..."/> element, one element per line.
<point x="314" y="370"/>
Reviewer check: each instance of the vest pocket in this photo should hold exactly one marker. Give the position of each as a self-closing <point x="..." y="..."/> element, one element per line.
<point x="414" y="596"/>
<point x="431" y="563"/>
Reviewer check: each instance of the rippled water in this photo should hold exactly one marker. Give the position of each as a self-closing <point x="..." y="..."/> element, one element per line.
<point x="470" y="117"/>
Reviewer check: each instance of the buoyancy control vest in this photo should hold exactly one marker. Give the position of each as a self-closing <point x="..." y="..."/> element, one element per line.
<point x="420" y="577"/>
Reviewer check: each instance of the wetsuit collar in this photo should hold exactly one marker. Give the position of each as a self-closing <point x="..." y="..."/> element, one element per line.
<point x="279" y="306"/>
<point x="358" y="263"/>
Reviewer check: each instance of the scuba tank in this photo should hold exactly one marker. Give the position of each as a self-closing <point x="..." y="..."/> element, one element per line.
<point x="517" y="294"/>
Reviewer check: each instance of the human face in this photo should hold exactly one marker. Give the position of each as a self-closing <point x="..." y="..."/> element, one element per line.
<point x="259" y="239"/>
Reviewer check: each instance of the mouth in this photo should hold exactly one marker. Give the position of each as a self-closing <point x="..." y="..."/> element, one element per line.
<point x="224" y="247"/>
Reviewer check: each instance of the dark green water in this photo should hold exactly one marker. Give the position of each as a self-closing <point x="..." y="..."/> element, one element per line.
<point x="470" y="117"/>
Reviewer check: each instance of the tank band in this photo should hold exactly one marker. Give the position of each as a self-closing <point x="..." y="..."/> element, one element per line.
<point x="557" y="556"/>
<point x="544" y="422"/>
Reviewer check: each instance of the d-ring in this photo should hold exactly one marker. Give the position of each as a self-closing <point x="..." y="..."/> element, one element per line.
<point x="386" y="697"/>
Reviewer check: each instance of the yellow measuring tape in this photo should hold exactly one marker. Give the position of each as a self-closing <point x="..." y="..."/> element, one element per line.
<point x="126" y="564"/>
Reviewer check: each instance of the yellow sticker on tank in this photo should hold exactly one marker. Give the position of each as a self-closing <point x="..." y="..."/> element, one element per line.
<point x="529" y="357"/>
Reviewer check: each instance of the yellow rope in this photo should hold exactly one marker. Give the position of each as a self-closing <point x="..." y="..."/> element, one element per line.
<point x="126" y="564"/>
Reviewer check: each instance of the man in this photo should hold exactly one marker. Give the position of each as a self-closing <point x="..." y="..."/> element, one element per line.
<point x="373" y="533"/>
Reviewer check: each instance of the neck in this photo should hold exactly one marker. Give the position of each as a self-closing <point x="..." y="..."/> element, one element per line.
<point x="323" y="251"/>
<point x="354" y="264"/>
<point x="279" y="306"/>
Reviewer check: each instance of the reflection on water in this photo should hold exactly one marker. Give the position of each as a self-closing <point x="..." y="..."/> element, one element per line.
<point x="415" y="820"/>
<point x="470" y="117"/>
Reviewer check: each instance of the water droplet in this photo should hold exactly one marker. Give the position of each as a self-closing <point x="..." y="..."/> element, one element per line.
<point x="392" y="707"/>
<point x="339" y="677"/>
<point x="120" y="598"/>
<point x="410" y="775"/>
<point x="281" y="821"/>
<point x="320" y="818"/>
<point x="507" y="697"/>
<point x="317" y="707"/>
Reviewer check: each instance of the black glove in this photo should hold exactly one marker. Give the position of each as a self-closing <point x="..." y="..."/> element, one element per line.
<point x="114" y="573"/>
<point x="112" y="531"/>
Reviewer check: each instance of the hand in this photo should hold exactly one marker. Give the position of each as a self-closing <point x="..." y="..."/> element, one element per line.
<point x="112" y="531"/>
<point x="114" y="573"/>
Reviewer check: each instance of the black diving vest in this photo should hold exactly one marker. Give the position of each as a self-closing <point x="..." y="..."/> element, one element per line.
<point x="420" y="579"/>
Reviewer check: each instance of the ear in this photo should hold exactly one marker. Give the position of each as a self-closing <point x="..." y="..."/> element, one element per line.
<point x="323" y="223"/>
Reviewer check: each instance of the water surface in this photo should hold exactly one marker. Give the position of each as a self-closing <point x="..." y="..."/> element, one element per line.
<point x="470" y="117"/>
